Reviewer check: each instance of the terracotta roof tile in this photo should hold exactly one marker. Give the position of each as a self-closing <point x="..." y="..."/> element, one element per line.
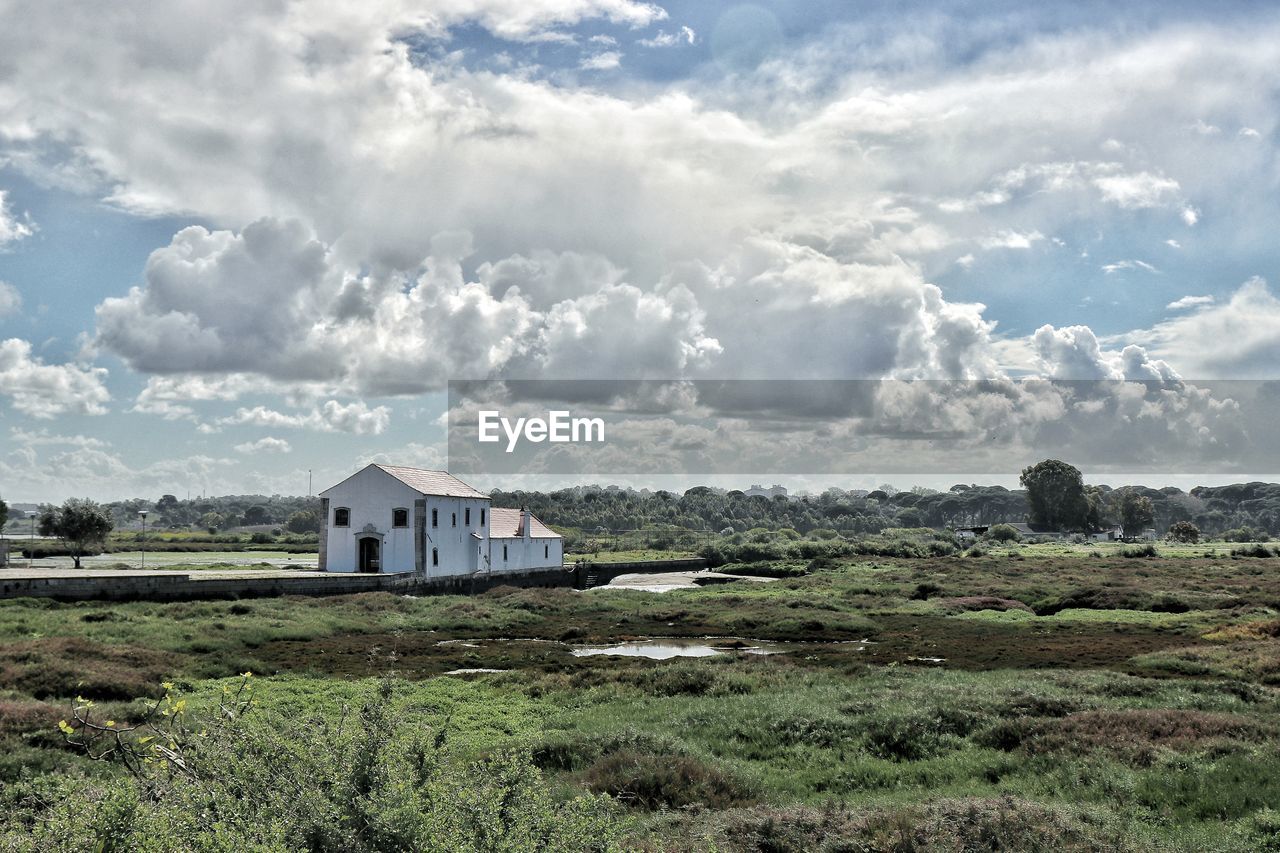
<point x="440" y="483"/>
<point x="505" y="524"/>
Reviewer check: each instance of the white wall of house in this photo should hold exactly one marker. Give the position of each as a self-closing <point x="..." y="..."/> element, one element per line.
<point x="515" y="554"/>
<point x="373" y="495"/>
<point x="457" y="540"/>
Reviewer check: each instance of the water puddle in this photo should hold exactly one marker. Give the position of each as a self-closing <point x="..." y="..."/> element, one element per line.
<point x="665" y="649"/>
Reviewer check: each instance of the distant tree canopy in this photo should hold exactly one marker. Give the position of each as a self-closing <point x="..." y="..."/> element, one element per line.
<point x="4" y="514"/>
<point x="1056" y="495"/>
<point x="846" y="512"/>
<point x="79" y="522"/>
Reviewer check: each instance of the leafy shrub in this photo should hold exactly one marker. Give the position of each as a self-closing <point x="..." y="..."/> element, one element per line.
<point x="981" y="602"/>
<point x="644" y="780"/>
<point x="383" y="780"/>
<point x="1184" y="531"/>
<point x="1245" y="534"/>
<point x="909" y="736"/>
<point x="1254" y="550"/>
<point x="1003" y="533"/>
<point x="1135" y="551"/>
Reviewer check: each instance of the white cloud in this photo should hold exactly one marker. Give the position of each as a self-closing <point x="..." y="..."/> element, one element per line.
<point x="1189" y="302"/>
<point x="1118" y="266"/>
<point x="1236" y="339"/>
<point x="604" y="61"/>
<point x="1138" y="190"/>
<point x="48" y="390"/>
<point x="356" y="418"/>
<point x="43" y="438"/>
<point x="1073" y="352"/>
<point x="12" y="226"/>
<point x="1173" y="244"/>
<point x="267" y="444"/>
<point x="1009" y="239"/>
<point x="10" y="300"/>
<point x="684" y="35"/>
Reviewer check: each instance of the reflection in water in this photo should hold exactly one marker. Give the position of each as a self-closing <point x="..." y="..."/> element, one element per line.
<point x="676" y="648"/>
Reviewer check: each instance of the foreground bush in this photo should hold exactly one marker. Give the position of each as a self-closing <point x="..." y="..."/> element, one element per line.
<point x="236" y="778"/>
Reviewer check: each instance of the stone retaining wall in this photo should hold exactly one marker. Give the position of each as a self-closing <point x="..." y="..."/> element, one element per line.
<point x="198" y="585"/>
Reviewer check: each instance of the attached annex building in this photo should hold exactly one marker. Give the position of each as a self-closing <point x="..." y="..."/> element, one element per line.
<point x="388" y="518"/>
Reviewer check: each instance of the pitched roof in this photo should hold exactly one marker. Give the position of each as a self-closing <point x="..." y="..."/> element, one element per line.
<point x="505" y="524"/>
<point x="440" y="483"/>
<point x="424" y="482"/>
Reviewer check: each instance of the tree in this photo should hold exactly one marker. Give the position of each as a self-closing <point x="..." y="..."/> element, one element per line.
<point x="4" y="514"/>
<point x="1184" y="531"/>
<point x="80" y="523"/>
<point x="304" y="521"/>
<point x="1055" y="493"/>
<point x="1136" y="512"/>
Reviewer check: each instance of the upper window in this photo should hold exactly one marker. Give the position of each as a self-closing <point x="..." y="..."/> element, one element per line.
<point x="482" y="518"/>
<point x="455" y="519"/>
<point x="466" y="519"/>
<point x="342" y="517"/>
<point x="400" y="517"/>
<point x="435" y="518"/>
<point x="546" y="551"/>
<point x="504" y="552"/>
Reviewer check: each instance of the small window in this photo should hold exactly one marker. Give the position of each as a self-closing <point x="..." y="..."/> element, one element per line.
<point x="482" y="518"/>
<point x="546" y="552"/>
<point x="504" y="552"/>
<point x="455" y="519"/>
<point x="342" y="517"/>
<point x="435" y="556"/>
<point x="466" y="519"/>
<point x="399" y="518"/>
<point x="435" y="518"/>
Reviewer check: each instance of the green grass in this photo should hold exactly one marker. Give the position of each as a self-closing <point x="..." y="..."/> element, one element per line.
<point x="1140" y="711"/>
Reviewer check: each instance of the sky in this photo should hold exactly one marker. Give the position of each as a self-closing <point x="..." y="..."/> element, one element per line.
<point x="248" y="242"/>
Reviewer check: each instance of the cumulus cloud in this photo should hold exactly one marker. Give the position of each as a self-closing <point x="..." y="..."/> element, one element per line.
<point x="1235" y="339"/>
<point x="12" y="226"/>
<point x="604" y="61"/>
<point x="267" y="444"/>
<point x="357" y="418"/>
<point x="1074" y="352"/>
<point x="49" y="390"/>
<point x="682" y="36"/>
<point x="10" y="300"/>
<point x="710" y="230"/>
<point x="1009" y="239"/>
<point x="1189" y="302"/>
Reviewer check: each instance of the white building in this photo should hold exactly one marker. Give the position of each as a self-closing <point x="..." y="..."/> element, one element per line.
<point x="387" y="518"/>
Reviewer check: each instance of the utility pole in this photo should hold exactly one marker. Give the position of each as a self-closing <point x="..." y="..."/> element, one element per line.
<point x="308" y="482"/>
<point x="143" y="513"/>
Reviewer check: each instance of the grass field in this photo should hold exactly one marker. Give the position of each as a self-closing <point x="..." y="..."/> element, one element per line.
<point x="1036" y="698"/>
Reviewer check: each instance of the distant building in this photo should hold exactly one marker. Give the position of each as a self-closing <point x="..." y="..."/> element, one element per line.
<point x="774" y="491"/>
<point x="388" y="518"/>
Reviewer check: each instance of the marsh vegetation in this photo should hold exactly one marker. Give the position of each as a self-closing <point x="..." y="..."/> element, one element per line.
<point x="1029" y="698"/>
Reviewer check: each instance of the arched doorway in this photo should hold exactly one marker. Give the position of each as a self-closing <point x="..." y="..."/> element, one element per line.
<point x="369" y="558"/>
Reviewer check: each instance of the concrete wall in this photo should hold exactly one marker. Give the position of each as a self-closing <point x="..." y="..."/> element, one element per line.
<point x="178" y="587"/>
